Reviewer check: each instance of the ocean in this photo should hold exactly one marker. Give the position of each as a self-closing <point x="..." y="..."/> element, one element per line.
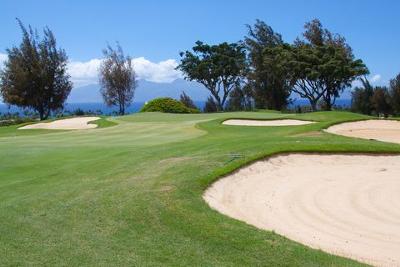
<point x="136" y="106"/>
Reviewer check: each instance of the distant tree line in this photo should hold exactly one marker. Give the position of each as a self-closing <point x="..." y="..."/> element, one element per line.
<point x="262" y="71"/>
<point x="377" y="100"/>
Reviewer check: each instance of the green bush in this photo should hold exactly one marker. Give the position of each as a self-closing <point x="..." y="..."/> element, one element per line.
<point x="14" y="121"/>
<point x="167" y="105"/>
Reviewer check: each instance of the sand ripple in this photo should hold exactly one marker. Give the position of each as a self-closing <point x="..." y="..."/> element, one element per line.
<point x="347" y="205"/>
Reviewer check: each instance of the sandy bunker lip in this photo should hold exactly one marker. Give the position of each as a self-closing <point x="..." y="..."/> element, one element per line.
<point x="281" y="122"/>
<point x="382" y="130"/>
<point x="65" y="124"/>
<point x="347" y="205"/>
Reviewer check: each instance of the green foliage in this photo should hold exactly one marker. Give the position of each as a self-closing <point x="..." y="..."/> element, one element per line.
<point x="361" y="98"/>
<point x="266" y="77"/>
<point x="376" y="100"/>
<point x="187" y="101"/>
<point x="117" y="78"/>
<point x="381" y="101"/>
<point x="35" y="74"/>
<point x="220" y="68"/>
<point x="210" y="105"/>
<point x="167" y="105"/>
<point x="14" y="121"/>
<point x="394" y="92"/>
<point x="322" y="65"/>
<point x="240" y="99"/>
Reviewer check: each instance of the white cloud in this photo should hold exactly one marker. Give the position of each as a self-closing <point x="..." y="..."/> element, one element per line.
<point x="163" y="71"/>
<point x="84" y="73"/>
<point x="376" y="78"/>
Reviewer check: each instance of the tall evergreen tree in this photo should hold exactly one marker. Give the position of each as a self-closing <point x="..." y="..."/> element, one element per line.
<point x="394" y="92"/>
<point x="240" y="99"/>
<point x="268" y="80"/>
<point x="187" y="101"/>
<point x="361" y="98"/>
<point x="381" y="101"/>
<point x="35" y="74"/>
<point x="117" y="78"/>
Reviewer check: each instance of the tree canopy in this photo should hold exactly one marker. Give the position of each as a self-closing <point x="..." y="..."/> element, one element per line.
<point x="394" y="92"/>
<point x="267" y="78"/>
<point x="117" y="78"/>
<point x="35" y="74"/>
<point x="323" y="65"/>
<point x="220" y="68"/>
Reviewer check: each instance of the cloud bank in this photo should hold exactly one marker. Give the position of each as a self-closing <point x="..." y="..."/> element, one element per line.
<point x="86" y="72"/>
<point x="376" y="78"/>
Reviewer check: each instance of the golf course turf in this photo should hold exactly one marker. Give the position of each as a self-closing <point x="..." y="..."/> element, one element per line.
<point x="131" y="193"/>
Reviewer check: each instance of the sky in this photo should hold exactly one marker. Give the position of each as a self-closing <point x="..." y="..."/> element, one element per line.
<point x="153" y="32"/>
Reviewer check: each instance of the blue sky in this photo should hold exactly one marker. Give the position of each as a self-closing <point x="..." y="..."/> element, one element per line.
<point x="155" y="31"/>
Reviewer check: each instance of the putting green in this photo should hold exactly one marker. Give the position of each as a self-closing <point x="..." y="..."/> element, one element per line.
<point x="131" y="194"/>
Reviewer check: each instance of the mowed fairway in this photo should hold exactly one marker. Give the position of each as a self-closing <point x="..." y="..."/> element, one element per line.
<point x="131" y="194"/>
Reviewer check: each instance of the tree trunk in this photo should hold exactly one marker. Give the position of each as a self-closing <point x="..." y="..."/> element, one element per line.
<point x="42" y="114"/>
<point x="121" y="109"/>
<point x="220" y="106"/>
<point x="328" y="101"/>
<point x="313" y="104"/>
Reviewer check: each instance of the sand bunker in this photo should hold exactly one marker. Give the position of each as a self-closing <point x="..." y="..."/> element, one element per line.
<point x="66" y="124"/>
<point x="382" y="130"/>
<point x="347" y="205"/>
<point x="284" y="122"/>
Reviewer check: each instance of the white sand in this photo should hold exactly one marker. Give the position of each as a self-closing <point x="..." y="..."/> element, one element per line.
<point x="284" y="122"/>
<point x="66" y="124"/>
<point x="382" y="130"/>
<point x="347" y="205"/>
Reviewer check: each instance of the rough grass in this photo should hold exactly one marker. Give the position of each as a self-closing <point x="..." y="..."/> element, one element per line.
<point x="131" y="194"/>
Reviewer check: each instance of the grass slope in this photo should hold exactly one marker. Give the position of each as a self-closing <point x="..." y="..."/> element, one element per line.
<point x="131" y="194"/>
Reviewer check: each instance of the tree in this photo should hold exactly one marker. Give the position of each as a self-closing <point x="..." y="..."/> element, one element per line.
<point x="323" y="65"/>
<point x="220" y="68"/>
<point x="35" y="74"/>
<point x="381" y="101"/>
<point x="394" y="92"/>
<point x="210" y="105"/>
<point x="361" y="98"/>
<point x="240" y="99"/>
<point x="117" y="78"/>
<point x="266" y="77"/>
<point x="187" y="101"/>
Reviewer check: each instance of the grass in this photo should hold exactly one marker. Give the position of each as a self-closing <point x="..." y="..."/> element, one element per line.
<point x="131" y="194"/>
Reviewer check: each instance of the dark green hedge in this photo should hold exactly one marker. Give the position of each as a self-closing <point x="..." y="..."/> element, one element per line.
<point x="167" y="105"/>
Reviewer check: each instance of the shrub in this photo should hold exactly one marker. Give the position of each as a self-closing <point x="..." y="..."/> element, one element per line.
<point x="167" y="105"/>
<point x="14" y="121"/>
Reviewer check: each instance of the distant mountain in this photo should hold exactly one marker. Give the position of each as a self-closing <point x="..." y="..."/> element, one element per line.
<point x="144" y="92"/>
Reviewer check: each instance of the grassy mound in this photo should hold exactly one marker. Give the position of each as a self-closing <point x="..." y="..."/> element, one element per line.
<point x="167" y="105"/>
